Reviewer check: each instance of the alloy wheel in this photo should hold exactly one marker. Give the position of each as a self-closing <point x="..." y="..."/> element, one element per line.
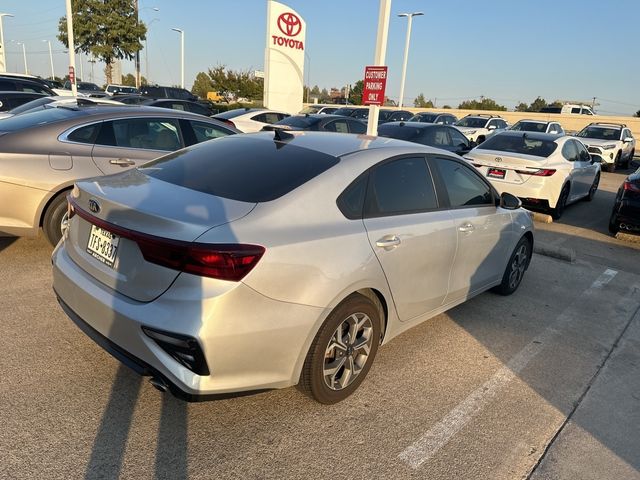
<point x="518" y="266"/>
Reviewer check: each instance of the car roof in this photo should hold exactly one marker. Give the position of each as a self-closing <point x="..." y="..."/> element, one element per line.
<point x="338" y="144"/>
<point x="535" y="121"/>
<point x="419" y="125"/>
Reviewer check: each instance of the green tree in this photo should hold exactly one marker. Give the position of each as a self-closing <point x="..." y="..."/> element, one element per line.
<point x="315" y="91"/>
<point x="130" y="80"/>
<point x="421" y="102"/>
<point x="522" y="107"/>
<point x="108" y="30"/>
<point x="446" y="107"/>
<point x="201" y="85"/>
<point x="233" y="84"/>
<point x="637" y="114"/>
<point x="355" y="94"/>
<point x="483" y="104"/>
<point x="324" y="96"/>
<point x="537" y="105"/>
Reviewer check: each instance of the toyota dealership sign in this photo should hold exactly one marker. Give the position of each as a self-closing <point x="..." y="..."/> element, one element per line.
<point x="284" y="58"/>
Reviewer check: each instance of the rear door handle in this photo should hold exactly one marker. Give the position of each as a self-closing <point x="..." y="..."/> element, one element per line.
<point x="466" y="228"/>
<point x="123" y="162"/>
<point x="388" y="241"/>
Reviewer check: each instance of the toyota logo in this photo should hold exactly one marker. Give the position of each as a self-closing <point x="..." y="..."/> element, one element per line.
<point x="94" y="206"/>
<point x="289" y="24"/>
<point x="498" y="159"/>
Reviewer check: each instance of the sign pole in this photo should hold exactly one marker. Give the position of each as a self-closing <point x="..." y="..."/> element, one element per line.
<point x="72" y="50"/>
<point x="379" y="59"/>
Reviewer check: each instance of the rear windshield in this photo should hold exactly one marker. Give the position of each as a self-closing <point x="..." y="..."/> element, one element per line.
<point x="32" y="119"/>
<point x="245" y="169"/>
<point x="519" y="144"/>
<point x="344" y="111"/>
<point x="473" y="122"/>
<point x="403" y="132"/>
<point x="600" y="133"/>
<point x="33" y="104"/>
<point x="298" y="121"/>
<point x="530" y="127"/>
<point x="233" y="113"/>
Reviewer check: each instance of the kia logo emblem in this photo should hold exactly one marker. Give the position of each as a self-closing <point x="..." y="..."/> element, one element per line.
<point x="289" y="24"/>
<point x="498" y="159"/>
<point x="94" y="206"/>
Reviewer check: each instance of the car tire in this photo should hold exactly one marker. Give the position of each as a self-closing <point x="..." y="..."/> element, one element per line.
<point x="617" y="161"/>
<point x="614" y="224"/>
<point x="517" y="265"/>
<point x="557" y="212"/>
<point x="593" y="189"/>
<point x="54" y="216"/>
<point x="346" y="343"/>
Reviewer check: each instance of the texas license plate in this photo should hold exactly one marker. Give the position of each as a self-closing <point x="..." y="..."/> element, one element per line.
<point x="103" y="245"/>
<point x="496" y="173"/>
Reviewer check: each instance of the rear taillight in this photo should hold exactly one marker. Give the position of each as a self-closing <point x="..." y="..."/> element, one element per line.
<point x="224" y="261"/>
<point x="541" y="172"/>
<point x="630" y="187"/>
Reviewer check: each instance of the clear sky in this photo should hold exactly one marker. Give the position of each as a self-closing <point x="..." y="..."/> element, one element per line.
<point x="509" y="50"/>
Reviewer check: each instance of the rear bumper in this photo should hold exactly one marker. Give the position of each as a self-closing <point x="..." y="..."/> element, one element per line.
<point x="628" y="212"/>
<point x="250" y="342"/>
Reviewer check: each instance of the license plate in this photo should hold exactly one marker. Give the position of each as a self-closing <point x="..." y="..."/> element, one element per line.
<point x="496" y="173"/>
<point x="103" y="245"/>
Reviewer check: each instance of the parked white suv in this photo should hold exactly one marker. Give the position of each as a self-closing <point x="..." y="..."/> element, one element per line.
<point x="478" y="127"/>
<point x="612" y="141"/>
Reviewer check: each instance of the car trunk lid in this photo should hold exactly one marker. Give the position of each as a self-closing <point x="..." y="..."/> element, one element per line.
<point x="504" y="168"/>
<point x="137" y="209"/>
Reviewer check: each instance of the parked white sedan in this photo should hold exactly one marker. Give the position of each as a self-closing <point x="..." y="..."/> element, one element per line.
<point x="249" y="120"/>
<point x="541" y="169"/>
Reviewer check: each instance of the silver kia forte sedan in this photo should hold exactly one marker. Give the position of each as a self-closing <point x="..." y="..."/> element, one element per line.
<point x="287" y="260"/>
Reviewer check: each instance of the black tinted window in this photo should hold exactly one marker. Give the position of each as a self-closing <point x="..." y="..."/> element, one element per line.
<point x="86" y="134"/>
<point x="401" y="186"/>
<point x="357" y="127"/>
<point x="463" y="186"/>
<point x="339" y="126"/>
<point x="299" y="121"/>
<point x="241" y="168"/>
<point x="7" y="86"/>
<point x="145" y="133"/>
<point x="404" y="132"/>
<point x="351" y="201"/>
<point x="523" y="144"/>
<point x="206" y="131"/>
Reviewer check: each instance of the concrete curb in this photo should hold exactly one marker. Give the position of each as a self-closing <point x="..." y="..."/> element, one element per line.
<point x="560" y="253"/>
<point x="627" y="237"/>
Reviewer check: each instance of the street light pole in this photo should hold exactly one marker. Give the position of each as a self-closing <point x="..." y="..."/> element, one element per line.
<point x="53" y="75"/>
<point x="24" y="56"/>
<point x="181" y="32"/>
<point x="3" y="58"/>
<point x="406" y="52"/>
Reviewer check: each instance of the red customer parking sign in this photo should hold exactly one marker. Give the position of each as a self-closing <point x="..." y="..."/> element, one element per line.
<point x="375" y="82"/>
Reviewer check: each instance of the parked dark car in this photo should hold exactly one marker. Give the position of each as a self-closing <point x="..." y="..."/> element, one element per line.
<point x="11" y="100"/>
<point x="439" y="136"/>
<point x="133" y="99"/>
<point x="201" y="108"/>
<point x="21" y="84"/>
<point x="434" y="117"/>
<point x="385" y="115"/>
<point x="625" y="216"/>
<point x="320" y="122"/>
<point x="87" y="88"/>
<point x="156" y="91"/>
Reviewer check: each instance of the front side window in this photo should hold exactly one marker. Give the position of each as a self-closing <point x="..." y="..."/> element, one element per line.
<point x="437" y="137"/>
<point x="145" y="133"/>
<point x="457" y="138"/>
<point x="583" y="154"/>
<point x="401" y="186"/>
<point x="206" y="131"/>
<point x="463" y="186"/>
<point x="339" y="126"/>
<point x="356" y="127"/>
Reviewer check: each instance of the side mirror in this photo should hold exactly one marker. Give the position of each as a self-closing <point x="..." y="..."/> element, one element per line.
<point x="491" y="127"/>
<point x="553" y="132"/>
<point x="509" y="201"/>
<point x="628" y="140"/>
<point x="596" y="158"/>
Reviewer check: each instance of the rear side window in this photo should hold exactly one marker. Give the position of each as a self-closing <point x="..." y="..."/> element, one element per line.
<point x="351" y="201"/>
<point x="401" y="186"/>
<point x="7" y="86"/>
<point x="144" y="133"/>
<point x="86" y="134"/>
<point x="463" y="186"/>
<point x="570" y="151"/>
<point x="241" y="168"/>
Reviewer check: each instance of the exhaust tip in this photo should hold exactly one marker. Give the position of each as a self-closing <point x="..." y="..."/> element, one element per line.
<point x="159" y="384"/>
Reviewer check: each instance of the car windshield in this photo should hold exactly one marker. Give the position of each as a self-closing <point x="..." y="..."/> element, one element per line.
<point x="473" y="122"/>
<point x="600" y="133"/>
<point x="38" y="103"/>
<point x="424" y="118"/>
<point x="33" y="119"/>
<point x="521" y="144"/>
<point x="88" y="86"/>
<point x="530" y="127"/>
<point x="384" y="114"/>
<point x="310" y="109"/>
<point x="401" y="132"/>
<point x="245" y="169"/>
<point x="344" y="111"/>
<point x="298" y="121"/>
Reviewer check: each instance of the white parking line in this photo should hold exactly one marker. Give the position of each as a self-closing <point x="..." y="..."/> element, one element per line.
<point x="428" y="444"/>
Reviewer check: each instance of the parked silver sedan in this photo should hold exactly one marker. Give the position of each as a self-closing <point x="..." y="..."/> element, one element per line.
<point x="289" y="259"/>
<point x="43" y="152"/>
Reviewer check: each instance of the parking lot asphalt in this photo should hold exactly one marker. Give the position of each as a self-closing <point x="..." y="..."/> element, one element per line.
<point x="529" y="385"/>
